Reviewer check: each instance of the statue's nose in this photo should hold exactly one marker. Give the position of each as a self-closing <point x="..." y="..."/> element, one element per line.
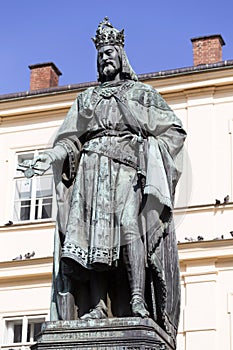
<point x="105" y="57"/>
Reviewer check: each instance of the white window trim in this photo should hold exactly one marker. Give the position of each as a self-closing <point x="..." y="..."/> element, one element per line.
<point x="24" y="344"/>
<point x="36" y="151"/>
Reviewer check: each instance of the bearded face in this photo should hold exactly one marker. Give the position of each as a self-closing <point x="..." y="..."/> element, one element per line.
<point x="109" y="64"/>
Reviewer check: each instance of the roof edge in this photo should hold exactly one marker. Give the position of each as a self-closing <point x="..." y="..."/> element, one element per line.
<point x="160" y="74"/>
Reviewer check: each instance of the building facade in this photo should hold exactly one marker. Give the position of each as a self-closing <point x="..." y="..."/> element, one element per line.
<point x="202" y="97"/>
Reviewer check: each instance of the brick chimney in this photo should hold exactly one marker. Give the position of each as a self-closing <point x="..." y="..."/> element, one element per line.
<point x="207" y="49"/>
<point x="44" y="75"/>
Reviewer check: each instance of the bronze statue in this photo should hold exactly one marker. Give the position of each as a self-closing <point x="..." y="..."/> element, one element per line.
<point x="116" y="159"/>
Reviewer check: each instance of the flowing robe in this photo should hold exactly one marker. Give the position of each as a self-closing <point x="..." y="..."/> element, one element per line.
<point x="119" y="137"/>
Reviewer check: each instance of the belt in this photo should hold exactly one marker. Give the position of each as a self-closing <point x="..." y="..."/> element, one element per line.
<point x="107" y="132"/>
<point x="115" y="153"/>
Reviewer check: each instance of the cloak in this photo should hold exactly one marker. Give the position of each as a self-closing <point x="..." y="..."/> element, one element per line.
<point x="148" y="116"/>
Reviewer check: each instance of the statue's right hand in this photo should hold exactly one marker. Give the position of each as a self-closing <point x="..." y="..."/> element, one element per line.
<point x="42" y="162"/>
<point x="39" y="165"/>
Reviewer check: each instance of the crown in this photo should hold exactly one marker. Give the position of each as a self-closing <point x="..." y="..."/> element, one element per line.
<point x="106" y="34"/>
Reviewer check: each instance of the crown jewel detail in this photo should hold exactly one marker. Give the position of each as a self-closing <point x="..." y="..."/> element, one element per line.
<point x="106" y="34"/>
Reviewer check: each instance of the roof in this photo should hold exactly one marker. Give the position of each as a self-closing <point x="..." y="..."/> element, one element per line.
<point x="156" y="75"/>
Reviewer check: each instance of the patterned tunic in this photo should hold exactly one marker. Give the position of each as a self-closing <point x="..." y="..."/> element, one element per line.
<point x="105" y="200"/>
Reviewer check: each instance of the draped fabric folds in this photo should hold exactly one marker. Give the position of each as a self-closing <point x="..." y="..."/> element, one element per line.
<point x="101" y="134"/>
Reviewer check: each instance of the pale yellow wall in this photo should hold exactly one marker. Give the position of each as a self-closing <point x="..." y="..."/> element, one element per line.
<point x="207" y="116"/>
<point x="25" y="285"/>
<point x="206" y="284"/>
<point x="22" y="239"/>
<point x="25" y="289"/>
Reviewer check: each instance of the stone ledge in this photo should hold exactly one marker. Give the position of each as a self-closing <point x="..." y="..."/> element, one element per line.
<point x="130" y="333"/>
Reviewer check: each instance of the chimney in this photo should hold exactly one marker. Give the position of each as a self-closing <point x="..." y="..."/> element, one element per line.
<point x="44" y="75"/>
<point x="207" y="49"/>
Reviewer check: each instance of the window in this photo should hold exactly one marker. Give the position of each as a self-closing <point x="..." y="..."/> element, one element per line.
<point x="21" y="331"/>
<point x="34" y="197"/>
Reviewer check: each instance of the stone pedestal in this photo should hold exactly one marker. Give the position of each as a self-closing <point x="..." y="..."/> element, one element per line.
<point x="130" y="333"/>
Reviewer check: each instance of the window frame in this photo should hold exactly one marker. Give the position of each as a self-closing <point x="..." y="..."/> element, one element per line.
<point x="25" y="320"/>
<point x="34" y="200"/>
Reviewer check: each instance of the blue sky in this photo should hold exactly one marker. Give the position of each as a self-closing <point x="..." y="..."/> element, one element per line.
<point x="157" y="35"/>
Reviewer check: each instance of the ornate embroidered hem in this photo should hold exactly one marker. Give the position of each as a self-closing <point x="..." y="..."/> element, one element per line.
<point x="95" y="255"/>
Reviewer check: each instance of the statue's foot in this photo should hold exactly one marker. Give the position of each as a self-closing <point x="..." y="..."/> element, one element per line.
<point x="94" y="314"/>
<point x="138" y="307"/>
<point x="98" y="313"/>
